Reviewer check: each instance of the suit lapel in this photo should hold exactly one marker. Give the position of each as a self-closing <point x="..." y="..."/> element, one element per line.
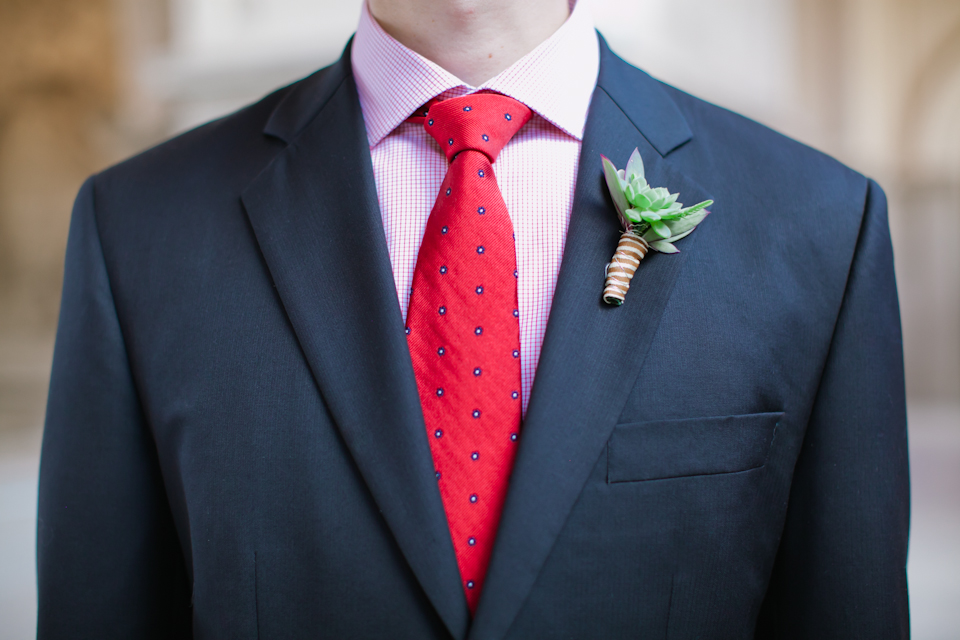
<point x="315" y="214"/>
<point x="592" y="353"/>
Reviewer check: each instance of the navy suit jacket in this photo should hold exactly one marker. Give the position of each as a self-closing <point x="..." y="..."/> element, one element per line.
<point x="234" y="445"/>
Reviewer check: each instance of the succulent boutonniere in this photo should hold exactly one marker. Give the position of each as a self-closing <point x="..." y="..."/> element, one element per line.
<point x="651" y="218"/>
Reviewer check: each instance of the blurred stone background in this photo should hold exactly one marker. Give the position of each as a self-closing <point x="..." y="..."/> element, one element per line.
<point x="876" y="83"/>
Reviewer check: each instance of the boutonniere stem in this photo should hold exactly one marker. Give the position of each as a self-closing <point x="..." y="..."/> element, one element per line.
<point x="651" y="218"/>
<point x="630" y="251"/>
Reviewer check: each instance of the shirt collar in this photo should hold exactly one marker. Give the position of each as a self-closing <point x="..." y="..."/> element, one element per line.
<point x="556" y="80"/>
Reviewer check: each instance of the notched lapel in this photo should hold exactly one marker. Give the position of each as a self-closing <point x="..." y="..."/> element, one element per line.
<point x="591" y="358"/>
<point x="315" y="214"/>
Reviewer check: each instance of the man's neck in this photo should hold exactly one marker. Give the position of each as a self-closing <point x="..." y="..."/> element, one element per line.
<point x="472" y="39"/>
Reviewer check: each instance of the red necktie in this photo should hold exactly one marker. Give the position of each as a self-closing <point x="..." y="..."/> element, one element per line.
<point x="463" y="326"/>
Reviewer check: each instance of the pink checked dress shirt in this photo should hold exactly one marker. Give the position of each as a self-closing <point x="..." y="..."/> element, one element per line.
<point x="537" y="169"/>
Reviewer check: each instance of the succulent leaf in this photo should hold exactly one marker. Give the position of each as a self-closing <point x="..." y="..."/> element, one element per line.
<point x="663" y="246"/>
<point x="638" y="182"/>
<point x="641" y="201"/>
<point x="697" y="207"/>
<point x="615" y="185"/>
<point x="671" y="213"/>
<point x="633" y="215"/>
<point x="660" y="228"/>
<point x="635" y="165"/>
<point x="687" y="222"/>
<point x="680" y="236"/>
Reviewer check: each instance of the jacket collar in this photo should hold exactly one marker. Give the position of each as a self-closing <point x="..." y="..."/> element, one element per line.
<point x="642" y="99"/>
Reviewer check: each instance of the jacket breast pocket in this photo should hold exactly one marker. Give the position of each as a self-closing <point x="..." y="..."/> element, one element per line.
<point x="689" y="447"/>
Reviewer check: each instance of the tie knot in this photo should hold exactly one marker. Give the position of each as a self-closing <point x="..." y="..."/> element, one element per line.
<point x="483" y="122"/>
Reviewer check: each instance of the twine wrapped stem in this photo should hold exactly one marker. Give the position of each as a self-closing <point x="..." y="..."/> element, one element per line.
<point x="630" y="251"/>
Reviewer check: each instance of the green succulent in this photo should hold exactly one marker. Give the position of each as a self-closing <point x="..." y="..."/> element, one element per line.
<point x="652" y="213"/>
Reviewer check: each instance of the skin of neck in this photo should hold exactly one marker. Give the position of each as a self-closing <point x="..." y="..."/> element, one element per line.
<point x="472" y="39"/>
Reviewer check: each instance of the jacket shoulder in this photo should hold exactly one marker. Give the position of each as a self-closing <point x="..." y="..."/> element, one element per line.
<point x="178" y="195"/>
<point x="207" y="153"/>
<point x="225" y="153"/>
<point x="742" y="151"/>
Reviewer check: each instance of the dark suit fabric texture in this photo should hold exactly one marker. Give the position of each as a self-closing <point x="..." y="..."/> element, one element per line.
<point x="234" y="445"/>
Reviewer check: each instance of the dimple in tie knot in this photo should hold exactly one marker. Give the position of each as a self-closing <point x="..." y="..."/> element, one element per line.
<point x="482" y="122"/>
